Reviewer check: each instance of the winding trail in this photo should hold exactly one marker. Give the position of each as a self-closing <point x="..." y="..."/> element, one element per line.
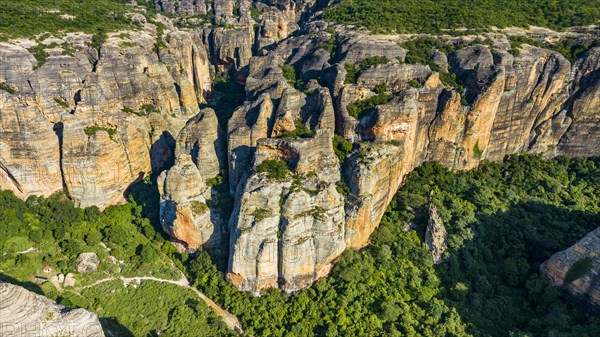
<point x="228" y="318"/>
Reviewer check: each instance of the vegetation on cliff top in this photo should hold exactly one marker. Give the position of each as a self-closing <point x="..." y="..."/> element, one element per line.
<point x="275" y="169"/>
<point x="300" y="131"/>
<point x="437" y="16"/>
<point x="359" y="109"/>
<point x="29" y="18"/>
<point x="579" y="269"/>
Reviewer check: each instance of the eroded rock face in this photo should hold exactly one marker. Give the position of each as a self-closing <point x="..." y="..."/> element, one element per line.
<point x="25" y="313"/>
<point x="185" y="192"/>
<point x="286" y="232"/>
<point x="100" y="161"/>
<point x="374" y="171"/>
<point x="577" y="269"/>
<point x="181" y="7"/>
<point x="29" y="152"/>
<point x="84" y="120"/>
<point x="511" y="104"/>
<point x="436" y="235"/>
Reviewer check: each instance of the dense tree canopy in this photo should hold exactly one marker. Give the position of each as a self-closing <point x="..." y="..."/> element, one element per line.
<point x="503" y="221"/>
<point x="435" y="16"/>
<point x="52" y="231"/>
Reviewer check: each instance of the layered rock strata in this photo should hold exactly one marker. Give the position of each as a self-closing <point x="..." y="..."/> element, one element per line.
<point x="286" y="231"/>
<point x="85" y="120"/>
<point x="528" y="103"/>
<point x="25" y="313"/>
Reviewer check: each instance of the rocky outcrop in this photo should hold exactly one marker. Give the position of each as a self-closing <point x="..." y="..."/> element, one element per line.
<point x="182" y="7"/>
<point x="284" y="232"/>
<point x="436" y="235"/>
<point x="511" y="104"/>
<point x="582" y="118"/>
<point x="87" y="262"/>
<point x="25" y="313"/>
<point x="185" y="188"/>
<point x="62" y="280"/>
<point x="85" y="119"/>
<point x="29" y="152"/>
<point x="374" y="173"/>
<point x="248" y="124"/>
<point x="577" y="269"/>
<point x="287" y="230"/>
<point x="99" y="161"/>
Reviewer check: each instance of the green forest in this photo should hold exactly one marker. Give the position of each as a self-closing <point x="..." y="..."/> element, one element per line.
<point x="437" y="16"/>
<point x="52" y="231"/>
<point x="503" y="221"/>
<point x="30" y="18"/>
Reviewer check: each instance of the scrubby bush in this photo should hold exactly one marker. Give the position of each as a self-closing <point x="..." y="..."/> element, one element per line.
<point x="342" y="147"/>
<point x="274" y="168"/>
<point x="360" y="109"/>
<point x="301" y="131"/>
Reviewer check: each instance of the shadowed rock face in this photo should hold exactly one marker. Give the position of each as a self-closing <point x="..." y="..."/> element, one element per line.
<point x="92" y="122"/>
<point x="185" y="195"/>
<point x="25" y="313"/>
<point x="577" y="269"/>
<point x="516" y="104"/>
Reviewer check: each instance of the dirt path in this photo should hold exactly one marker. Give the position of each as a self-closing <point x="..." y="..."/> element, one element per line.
<point x="228" y="318"/>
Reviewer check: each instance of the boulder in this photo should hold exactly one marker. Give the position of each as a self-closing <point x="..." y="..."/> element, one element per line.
<point x="69" y="280"/>
<point x="577" y="270"/>
<point x="87" y="262"/>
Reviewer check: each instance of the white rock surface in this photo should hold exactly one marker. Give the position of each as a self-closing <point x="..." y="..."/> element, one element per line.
<point x="87" y="262"/>
<point x="26" y="314"/>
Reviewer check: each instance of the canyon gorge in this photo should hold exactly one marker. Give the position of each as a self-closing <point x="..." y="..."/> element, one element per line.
<point x="333" y="118"/>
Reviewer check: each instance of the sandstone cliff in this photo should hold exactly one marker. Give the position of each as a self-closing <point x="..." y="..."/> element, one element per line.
<point x="577" y="269"/>
<point x="185" y="192"/>
<point x="286" y="231"/>
<point x="25" y="313"/>
<point x="92" y="121"/>
<point x="85" y="120"/>
<point x="525" y="103"/>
